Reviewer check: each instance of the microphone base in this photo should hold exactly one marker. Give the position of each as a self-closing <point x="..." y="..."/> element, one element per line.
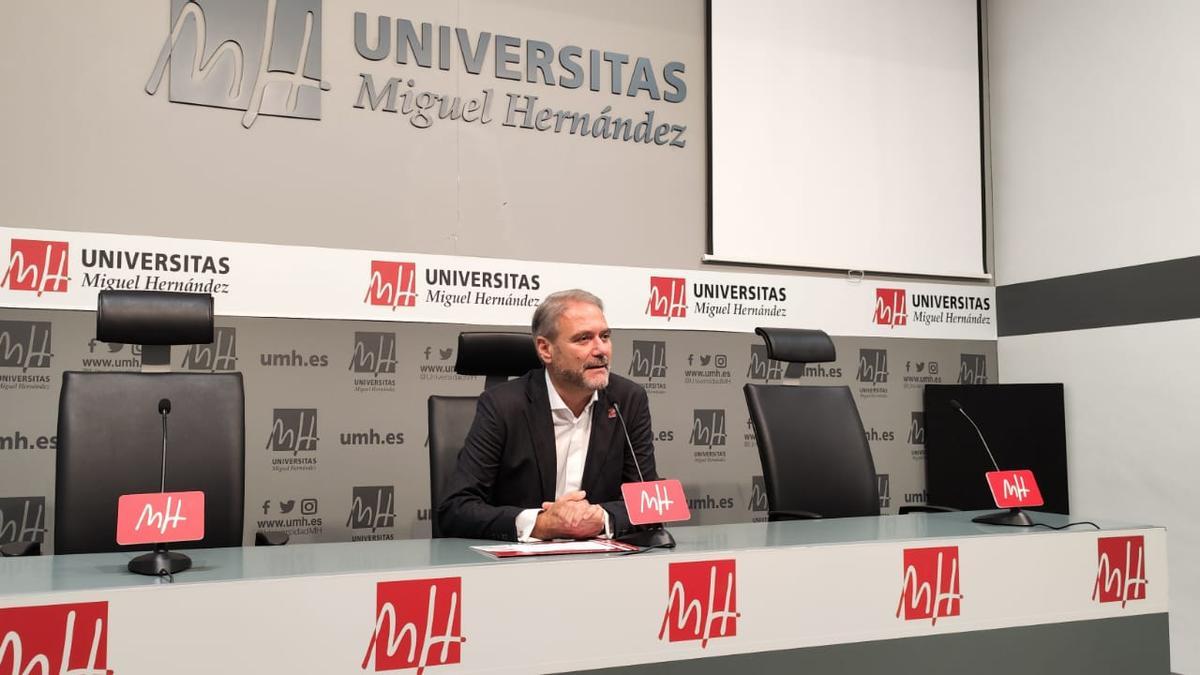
<point x="1011" y="517"/>
<point x="657" y="538"/>
<point x="160" y="562"/>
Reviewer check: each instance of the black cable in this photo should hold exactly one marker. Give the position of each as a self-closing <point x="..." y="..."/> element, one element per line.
<point x="643" y="549"/>
<point x="1063" y="527"/>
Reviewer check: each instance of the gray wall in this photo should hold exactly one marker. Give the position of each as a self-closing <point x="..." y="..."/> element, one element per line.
<point x="1094" y="171"/>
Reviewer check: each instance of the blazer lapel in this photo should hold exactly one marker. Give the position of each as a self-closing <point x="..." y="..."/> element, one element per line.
<point x="541" y="431"/>
<point x="604" y="428"/>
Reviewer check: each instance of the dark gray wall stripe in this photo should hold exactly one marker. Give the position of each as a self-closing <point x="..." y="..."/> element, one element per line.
<point x="1130" y="644"/>
<point x="1161" y="291"/>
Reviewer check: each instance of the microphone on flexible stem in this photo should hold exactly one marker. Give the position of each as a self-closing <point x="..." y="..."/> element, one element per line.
<point x="161" y="562"/>
<point x="658" y="537"/>
<point x="1014" y="516"/>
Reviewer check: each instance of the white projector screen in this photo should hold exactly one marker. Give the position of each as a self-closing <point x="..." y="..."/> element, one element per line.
<point x="846" y="135"/>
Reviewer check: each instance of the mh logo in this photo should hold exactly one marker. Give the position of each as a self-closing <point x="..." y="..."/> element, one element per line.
<point x="708" y="427"/>
<point x="46" y="639"/>
<point x="374" y="353"/>
<point x="763" y="367"/>
<point x="38" y="266"/>
<point x="1120" y="569"/>
<point x="649" y="359"/>
<point x="259" y="56"/>
<point x="22" y="519"/>
<point x="883" y="482"/>
<point x="873" y="366"/>
<point x="693" y="591"/>
<point x="972" y="369"/>
<point x="916" y="429"/>
<point x="758" y="494"/>
<point x="25" y="344"/>
<point x="393" y="284"/>
<point x="293" y="430"/>
<point x="891" y="308"/>
<point x="668" y="297"/>
<point x="372" y="507"/>
<point x="406" y="615"/>
<point x="931" y="584"/>
<point x="220" y="354"/>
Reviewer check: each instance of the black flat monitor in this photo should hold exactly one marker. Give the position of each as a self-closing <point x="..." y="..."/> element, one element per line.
<point x="1025" y="427"/>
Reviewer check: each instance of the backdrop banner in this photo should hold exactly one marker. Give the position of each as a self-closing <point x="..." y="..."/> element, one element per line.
<point x="48" y="269"/>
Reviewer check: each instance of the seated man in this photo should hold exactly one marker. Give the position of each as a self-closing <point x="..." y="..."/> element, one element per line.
<point x="546" y="454"/>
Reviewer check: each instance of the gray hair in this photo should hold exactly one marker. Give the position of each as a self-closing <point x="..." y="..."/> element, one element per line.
<point x="545" y="317"/>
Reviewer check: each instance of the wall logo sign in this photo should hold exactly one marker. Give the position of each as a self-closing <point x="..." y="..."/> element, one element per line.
<point x="1120" y="569"/>
<point x="293" y="431"/>
<point x="708" y="435"/>
<point x="393" y="284"/>
<point x="972" y="369"/>
<point x="873" y="366"/>
<point x="883" y="482"/>
<point x="708" y="427"/>
<point x="70" y="638"/>
<point x="701" y="601"/>
<point x="872" y="373"/>
<point x="649" y="360"/>
<point x="418" y="624"/>
<point x="38" y="266"/>
<point x="891" y="307"/>
<point x="25" y="344"/>
<point x="668" y="297"/>
<point x="930" y="588"/>
<point x="916" y="428"/>
<point x="374" y="353"/>
<point x="372" y="507"/>
<point x="259" y="56"/>
<point x="763" y="367"/>
<point x="218" y="355"/>
<point x="22" y="519"/>
<point x="758" y="494"/>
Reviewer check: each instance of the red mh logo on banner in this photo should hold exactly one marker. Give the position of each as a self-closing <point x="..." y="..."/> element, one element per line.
<point x="393" y="284"/>
<point x="668" y="297"/>
<point x="891" y="307"/>
<point x="36" y="265"/>
<point x="1120" y="569"/>
<point x="408" y="615"/>
<point x="55" y="639"/>
<point x="930" y="589"/>
<point x="694" y="591"/>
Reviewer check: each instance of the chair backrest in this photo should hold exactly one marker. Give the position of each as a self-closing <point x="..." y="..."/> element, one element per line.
<point x="497" y="357"/>
<point x="450" y="419"/>
<point x="110" y="444"/>
<point x="815" y="455"/>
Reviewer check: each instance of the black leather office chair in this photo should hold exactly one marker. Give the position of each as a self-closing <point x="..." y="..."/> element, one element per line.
<point x="497" y="356"/>
<point x="110" y="430"/>
<point x="815" y="457"/>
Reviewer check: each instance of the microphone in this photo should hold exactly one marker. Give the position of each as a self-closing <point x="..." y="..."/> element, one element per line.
<point x="958" y="406"/>
<point x="1013" y="516"/>
<point x="644" y="539"/>
<point x="164" y="409"/>
<point x="160" y="561"/>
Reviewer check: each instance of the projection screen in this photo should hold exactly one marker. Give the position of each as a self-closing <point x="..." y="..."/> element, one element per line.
<point x="846" y="135"/>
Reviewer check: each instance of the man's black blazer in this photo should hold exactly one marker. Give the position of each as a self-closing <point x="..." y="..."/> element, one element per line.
<point x="509" y="462"/>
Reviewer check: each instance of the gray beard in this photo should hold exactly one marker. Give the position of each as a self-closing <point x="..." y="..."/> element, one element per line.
<point x="576" y="378"/>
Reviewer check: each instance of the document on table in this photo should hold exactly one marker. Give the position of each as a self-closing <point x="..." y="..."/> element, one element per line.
<point x="554" y="548"/>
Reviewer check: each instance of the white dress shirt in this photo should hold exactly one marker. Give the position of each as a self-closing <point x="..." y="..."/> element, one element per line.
<point x="571" y="437"/>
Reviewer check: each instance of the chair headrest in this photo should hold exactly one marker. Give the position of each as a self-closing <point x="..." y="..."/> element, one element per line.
<point x="496" y="354"/>
<point x="798" y="345"/>
<point x="154" y="318"/>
